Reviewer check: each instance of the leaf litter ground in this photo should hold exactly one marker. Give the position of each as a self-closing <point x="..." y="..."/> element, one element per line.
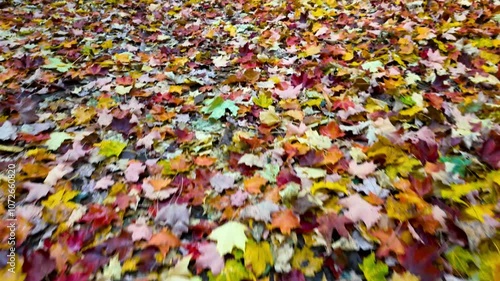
<point x="251" y="140"/>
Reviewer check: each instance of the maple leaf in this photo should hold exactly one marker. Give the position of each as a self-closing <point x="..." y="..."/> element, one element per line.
<point x="289" y="93"/>
<point x="62" y="254"/>
<point x="180" y="272"/>
<point x="361" y="170"/>
<point x="359" y="209"/>
<point x="217" y="107"/>
<point x="258" y="256"/>
<point x="36" y="190"/>
<point x="339" y="186"/>
<point x="104" y="183"/>
<point x="462" y="260"/>
<point x="261" y="211"/>
<point x="174" y="215"/>
<point x="306" y="256"/>
<point x="210" y="258"/>
<point x="372" y="270"/>
<point x="113" y="271"/>
<point x="164" y="241"/>
<point x="389" y="242"/>
<point x="229" y="236"/>
<point x="134" y="169"/>
<point x="8" y="131"/>
<point x="332" y="130"/>
<point x="220" y="61"/>
<point x="58" y="64"/>
<point x="75" y="153"/>
<point x="140" y="230"/>
<point x="56" y="139"/>
<point x="148" y="140"/>
<point x="38" y="265"/>
<point x="285" y="220"/>
<point x="332" y="221"/>
<point x="263" y="100"/>
<point x="233" y="270"/>
<point x="254" y="184"/>
<point x="221" y="182"/>
<point x="420" y="260"/>
<point x="110" y="148"/>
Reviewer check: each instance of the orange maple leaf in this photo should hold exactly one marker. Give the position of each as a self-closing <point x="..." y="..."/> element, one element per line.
<point x="332" y="156"/>
<point x="204" y="161"/>
<point x="285" y="220"/>
<point x="159" y="183"/>
<point x="180" y="164"/>
<point x="389" y="242"/>
<point x="254" y="184"/>
<point x="332" y="130"/>
<point x="164" y="240"/>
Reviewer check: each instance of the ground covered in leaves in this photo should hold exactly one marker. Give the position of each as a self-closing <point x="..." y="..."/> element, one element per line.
<point x="251" y="140"/>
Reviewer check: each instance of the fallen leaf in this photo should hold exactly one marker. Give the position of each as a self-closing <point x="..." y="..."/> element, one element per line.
<point x="228" y="236"/>
<point x="359" y="209"/>
<point x="374" y="270"/>
<point x="285" y="220"/>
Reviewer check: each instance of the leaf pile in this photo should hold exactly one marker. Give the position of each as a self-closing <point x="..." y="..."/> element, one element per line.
<point x="251" y="140"/>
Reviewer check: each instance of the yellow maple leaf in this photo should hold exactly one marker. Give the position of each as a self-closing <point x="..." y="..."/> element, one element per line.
<point x="175" y="89"/>
<point x="84" y="114"/>
<point x="210" y="34"/>
<point x="62" y="196"/>
<point x="339" y="186"/>
<point x="258" y="256"/>
<point x="269" y="117"/>
<point x="348" y="56"/>
<point x="123" y="57"/>
<point x="424" y="33"/>
<point x="130" y="265"/>
<point x="479" y="211"/>
<point x="459" y="190"/>
<point x="231" y="29"/>
<point x="312" y="50"/>
<point x="110" y="148"/>
<point x="400" y="211"/>
<point x="305" y="261"/>
<point x="180" y="61"/>
<point x="405" y="46"/>
<point x="108" y="44"/>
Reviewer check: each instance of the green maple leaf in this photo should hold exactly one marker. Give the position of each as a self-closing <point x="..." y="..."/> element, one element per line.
<point x="462" y="260"/>
<point x="459" y="163"/>
<point x="58" y="64"/>
<point x="217" y="107"/>
<point x="56" y="139"/>
<point x="374" y="271"/>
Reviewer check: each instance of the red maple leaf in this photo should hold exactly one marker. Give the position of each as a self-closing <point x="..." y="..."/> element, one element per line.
<point x="330" y="222"/>
<point x="422" y="261"/>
